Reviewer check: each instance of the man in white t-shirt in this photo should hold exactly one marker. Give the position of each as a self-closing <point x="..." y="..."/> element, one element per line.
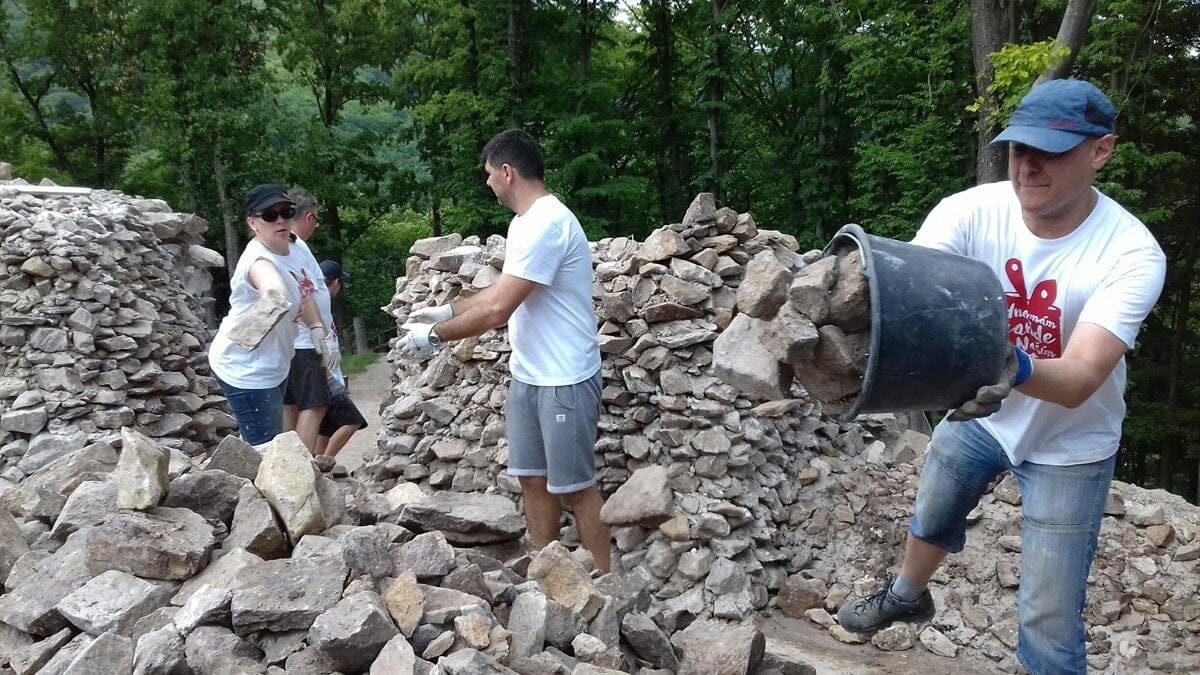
<point x="544" y="294"/>
<point x="1080" y="274"/>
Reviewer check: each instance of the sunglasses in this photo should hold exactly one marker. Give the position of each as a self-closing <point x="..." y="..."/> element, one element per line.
<point x="272" y="216"/>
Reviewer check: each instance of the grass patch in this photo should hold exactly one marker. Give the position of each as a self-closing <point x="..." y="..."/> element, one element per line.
<point x="355" y="364"/>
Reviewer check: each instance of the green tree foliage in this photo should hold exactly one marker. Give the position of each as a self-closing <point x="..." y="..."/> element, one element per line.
<point x="807" y="113"/>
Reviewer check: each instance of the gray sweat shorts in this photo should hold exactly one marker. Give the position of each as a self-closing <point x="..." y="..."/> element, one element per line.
<point x="552" y="432"/>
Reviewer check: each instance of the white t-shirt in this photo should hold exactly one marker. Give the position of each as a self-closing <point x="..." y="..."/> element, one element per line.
<point x="553" y="332"/>
<point x="1108" y="272"/>
<point x="320" y="295"/>
<point x="267" y="366"/>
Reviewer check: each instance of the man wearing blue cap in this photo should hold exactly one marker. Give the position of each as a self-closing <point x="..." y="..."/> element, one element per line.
<point x="1080" y="273"/>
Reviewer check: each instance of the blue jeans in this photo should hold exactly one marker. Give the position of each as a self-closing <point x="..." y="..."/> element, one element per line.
<point x="259" y="412"/>
<point x="1061" y="510"/>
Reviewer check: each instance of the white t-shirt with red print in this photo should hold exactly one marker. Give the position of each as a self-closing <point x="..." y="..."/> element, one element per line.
<point x="267" y="366"/>
<point x="1109" y="272"/>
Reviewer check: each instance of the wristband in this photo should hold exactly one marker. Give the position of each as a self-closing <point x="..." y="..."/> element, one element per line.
<point x="1024" y="366"/>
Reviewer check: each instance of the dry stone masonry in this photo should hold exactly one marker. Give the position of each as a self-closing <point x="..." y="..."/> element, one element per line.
<point x="135" y="551"/>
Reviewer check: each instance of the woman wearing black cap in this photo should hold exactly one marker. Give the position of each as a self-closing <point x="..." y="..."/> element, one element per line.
<point x="270" y="293"/>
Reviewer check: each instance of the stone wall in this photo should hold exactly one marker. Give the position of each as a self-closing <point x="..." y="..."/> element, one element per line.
<point x="101" y="305"/>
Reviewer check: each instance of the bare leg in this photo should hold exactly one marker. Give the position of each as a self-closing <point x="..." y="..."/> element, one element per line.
<point x="542" y="510"/>
<point x="339" y="439"/>
<point x="290" y="414"/>
<point x="920" y="561"/>
<point x="594" y="534"/>
<point x="322" y="441"/>
<point x="308" y="426"/>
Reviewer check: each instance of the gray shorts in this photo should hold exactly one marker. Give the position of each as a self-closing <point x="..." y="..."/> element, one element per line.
<point x="552" y="432"/>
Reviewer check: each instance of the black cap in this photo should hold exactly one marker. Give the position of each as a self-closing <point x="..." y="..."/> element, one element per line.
<point x="262" y="197"/>
<point x="333" y="270"/>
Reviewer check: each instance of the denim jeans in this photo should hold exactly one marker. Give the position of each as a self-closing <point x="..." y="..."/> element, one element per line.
<point x="259" y="412"/>
<point x="1061" y="510"/>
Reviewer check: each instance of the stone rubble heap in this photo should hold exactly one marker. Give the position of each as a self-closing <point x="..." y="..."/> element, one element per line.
<point x="100" y="326"/>
<point x="264" y="564"/>
<point x="730" y="493"/>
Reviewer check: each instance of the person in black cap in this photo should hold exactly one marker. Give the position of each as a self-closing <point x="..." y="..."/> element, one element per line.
<point x="1081" y="273"/>
<point x="270" y="295"/>
<point x="342" y="419"/>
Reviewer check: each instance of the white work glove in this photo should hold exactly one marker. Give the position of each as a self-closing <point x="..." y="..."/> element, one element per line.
<point x="432" y="315"/>
<point x="326" y="346"/>
<point x="415" y="344"/>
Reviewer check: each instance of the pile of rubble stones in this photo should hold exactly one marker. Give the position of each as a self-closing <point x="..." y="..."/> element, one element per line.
<point x="102" y="302"/>
<point x="731" y="494"/>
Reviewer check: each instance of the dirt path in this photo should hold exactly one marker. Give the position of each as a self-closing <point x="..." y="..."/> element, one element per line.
<point x="368" y="390"/>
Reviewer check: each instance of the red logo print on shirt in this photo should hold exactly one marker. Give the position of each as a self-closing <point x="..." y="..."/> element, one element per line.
<point x="1034" y="323"/>
<point x="307" y="289"/>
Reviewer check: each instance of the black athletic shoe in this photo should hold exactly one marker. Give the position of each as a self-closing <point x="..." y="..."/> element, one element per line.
<point x="877" y="611"/>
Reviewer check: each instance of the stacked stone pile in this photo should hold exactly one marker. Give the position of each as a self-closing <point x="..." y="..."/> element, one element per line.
<point x="101" y="305"/>
<point x="254" y="564"/>
<point x="730" y="493"/>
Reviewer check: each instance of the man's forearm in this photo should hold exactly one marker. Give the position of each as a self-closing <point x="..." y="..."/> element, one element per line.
<point x="477" y="318"/>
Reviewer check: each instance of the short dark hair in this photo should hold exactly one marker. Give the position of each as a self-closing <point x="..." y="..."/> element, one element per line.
<point x="518" y="150"/>
<point x="304" y="199"/>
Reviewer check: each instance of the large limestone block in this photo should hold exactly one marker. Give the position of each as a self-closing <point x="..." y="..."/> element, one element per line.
<point x="714" y="648"/>
<point x="224" y="573"/>
<point x="396" y="658"/>
<point x="288" y="480"/>
<point x="255" y="528"/>
<point x="351" y="634"/>
<point x="212" y="493"/>
<point x="89" y="504"/>
<point x="31" y="605"/>
<point x="741" y="360"/>
<point x="12" y="543"/>
<point x="141" y="473"/>
<point x="649" y="641"/>
<point x="565" y="580"/>
<point x="287" y="594"/>
<point x="162" y="543"/>
<point x="113" y="601"/>
<point x="465" y="519"/>
<point x="764" y="288"/>
<point x="108" y="653"/>
<point x="645" y="499"/>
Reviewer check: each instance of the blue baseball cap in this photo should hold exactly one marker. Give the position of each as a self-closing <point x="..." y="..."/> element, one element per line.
<point x="1058" y="115"/>
<point x="333" y="270"/>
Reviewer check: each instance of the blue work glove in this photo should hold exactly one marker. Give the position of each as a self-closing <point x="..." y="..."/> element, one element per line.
<point x="1018" y="366"/>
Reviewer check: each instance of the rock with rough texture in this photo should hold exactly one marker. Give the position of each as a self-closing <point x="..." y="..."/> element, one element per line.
<point x="396" y="658"/>
<point x="645" y="499"/>
<point x="12" y="544"/>
<point x="211" y="493"/>
<point x="938" y="643"/>
<point x="288" y="594"/>
<point x="565" y="580"/>
<point x="236" y="457"/>
<point x="160" y="651"/>
<point x="141" y="473"/>
<point x="740" y="359"/>
<point x="715" y="648"/>
<point x="162" y="543"/>
<point x="108" y="653"/>
<point x="255" y="528"/>
<point x="287" y="479"/>
<point x="31" y="606"/>
<point x="465" y="519"/>
<point x="216" y="649"/>
<point x="113" y="601"/>
<point x="225" y="572"/>
<point x="208" y="605"/>
<point x="648" y="640"/>
<point x="764" y="288"/>
<point x="352" y="633"/>
<point x="405" y="602"/>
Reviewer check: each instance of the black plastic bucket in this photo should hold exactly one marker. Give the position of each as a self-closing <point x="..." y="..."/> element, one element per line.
<point x="939" y="328"/>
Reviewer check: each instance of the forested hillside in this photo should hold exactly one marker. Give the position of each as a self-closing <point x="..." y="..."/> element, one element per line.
<point x="807" y="113"/>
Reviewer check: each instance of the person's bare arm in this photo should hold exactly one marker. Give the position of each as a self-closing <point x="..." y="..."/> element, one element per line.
<point x="1071" y="379"/>
<point x="487" y="310"/>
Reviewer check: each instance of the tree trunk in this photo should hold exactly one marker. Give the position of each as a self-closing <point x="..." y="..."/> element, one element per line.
<point x="716" y="98"/>
<point x="232" y="251"/>
<point x="518" y="13"/>
<point x="1071" y="34"/>
<point x="669" y="162"/>
<point x="991" y="22"/>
